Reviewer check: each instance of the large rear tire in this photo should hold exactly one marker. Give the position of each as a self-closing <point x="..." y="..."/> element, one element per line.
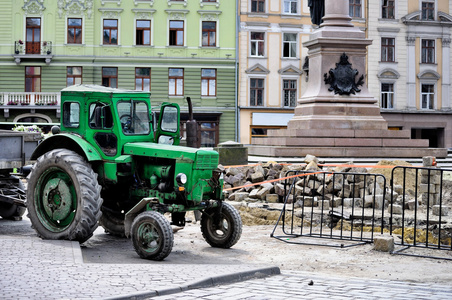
<point x="221" y="229"/>
<point x="152" y="235"/>
<point x="63" y="197"/>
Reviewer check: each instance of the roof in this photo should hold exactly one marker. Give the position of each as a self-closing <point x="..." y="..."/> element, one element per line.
<point x="97" y="88"/>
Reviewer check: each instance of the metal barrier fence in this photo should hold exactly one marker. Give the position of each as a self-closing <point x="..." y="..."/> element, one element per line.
<point x="337" y="206"/>
<point x="332" y="205"/>
<point x="419" y="214"/>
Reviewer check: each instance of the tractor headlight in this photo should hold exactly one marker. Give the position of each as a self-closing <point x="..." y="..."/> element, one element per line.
<point x="181" y="179"/>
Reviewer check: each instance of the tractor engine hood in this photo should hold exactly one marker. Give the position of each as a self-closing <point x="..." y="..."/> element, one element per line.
<point x="200" y="158"/>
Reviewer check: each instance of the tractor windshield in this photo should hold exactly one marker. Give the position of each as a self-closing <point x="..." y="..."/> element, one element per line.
<point x="134" y="117"/>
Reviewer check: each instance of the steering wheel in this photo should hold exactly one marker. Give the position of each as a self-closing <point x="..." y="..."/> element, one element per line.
<point x="126" y="123"/>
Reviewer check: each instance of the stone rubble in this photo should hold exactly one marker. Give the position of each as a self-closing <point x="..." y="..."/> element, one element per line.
<point x="330" y="187"/>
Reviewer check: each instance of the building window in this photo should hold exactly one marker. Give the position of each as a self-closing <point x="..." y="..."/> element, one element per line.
<point x="257" y="43"/>
<point x="290" y="45"/>
<point x="290" y="6"/>
<point x="143" y="79"/>
<point x="110" y="77"/>
<point x="33" y="36"/>
<point x="428" y="11"/>
<point x="258" y="6"/>
<point x="110" y="32"/>
<point x="259" y="132"/>
<point x="428" y="51"/>
<point x="143" y="34"/>
<point x="74" y="31"/>
<point x="387" y="9"/>
<point x="73" y="76"/>
<point x="355" y="8"/>
<point x="387" y="49"/>
<point x="176" y="82"/>
<point x="427" y="96"/>
<point x="290" y="93"/>
<point x="209" y="34"/>
<point x="387" y="95"/>
<point x="32" y="79"/>
<point x="208" y="133"/>
<point x="208" y="82"/>
<point x="176" y="33"/>
<point x="256" y="92"/>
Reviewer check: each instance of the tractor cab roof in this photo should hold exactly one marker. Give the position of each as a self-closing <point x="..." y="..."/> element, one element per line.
<point x="90" y="88"/>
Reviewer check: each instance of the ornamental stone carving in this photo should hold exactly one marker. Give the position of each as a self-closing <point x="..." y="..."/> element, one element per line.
<point x="207" y="15"/>
<point x="75" y="8"/>
<point x="143" y="14"/>
<point x="342" y="79"/>
<point x="33" y="7"/>
<point x="111" y="13"/>
<point x="177" y="14"/>
<point x="411" y="40"/>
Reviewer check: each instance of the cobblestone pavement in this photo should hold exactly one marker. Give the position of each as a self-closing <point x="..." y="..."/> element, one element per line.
<point x="32" y="268"/>
<point x="302" y="285"/>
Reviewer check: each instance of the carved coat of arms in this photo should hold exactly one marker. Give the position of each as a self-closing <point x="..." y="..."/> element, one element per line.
<point x="342" y="79"/>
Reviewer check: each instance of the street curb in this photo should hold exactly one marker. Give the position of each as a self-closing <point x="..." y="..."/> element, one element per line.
<point x="204" y="283"/>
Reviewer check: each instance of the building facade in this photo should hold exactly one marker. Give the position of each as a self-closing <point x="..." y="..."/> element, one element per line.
<point x="173" y="48"/>
<point x="271" y="59"/>
<point x="409" y="66"/>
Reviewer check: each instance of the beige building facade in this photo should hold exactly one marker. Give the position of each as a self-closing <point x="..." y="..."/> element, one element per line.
<point x="408" y="63"/>
<point x="409" y="66"/>
<point x="271" y="58"/>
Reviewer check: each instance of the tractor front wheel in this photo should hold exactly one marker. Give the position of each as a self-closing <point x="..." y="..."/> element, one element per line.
<point x="221" y="227"/>
<point x="152" y="235"/>
<point x="63" y="197"/>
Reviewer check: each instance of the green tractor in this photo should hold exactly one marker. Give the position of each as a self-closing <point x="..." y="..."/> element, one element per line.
<point x="115" y="164"/>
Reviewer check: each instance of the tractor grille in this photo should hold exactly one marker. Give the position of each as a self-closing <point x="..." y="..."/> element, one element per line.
<point x="206" y="162"/>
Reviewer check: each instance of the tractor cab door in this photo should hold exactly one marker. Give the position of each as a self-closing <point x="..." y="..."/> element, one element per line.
<point x="168" y="128"/>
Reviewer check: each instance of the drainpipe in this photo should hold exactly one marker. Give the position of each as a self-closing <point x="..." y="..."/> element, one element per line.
<point x="237" y="109"/>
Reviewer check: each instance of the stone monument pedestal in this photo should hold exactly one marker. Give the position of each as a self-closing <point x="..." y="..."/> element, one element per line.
<point x="337" y="116"/>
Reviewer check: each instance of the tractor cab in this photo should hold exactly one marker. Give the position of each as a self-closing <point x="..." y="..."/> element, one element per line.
<point x="110" y="118"/>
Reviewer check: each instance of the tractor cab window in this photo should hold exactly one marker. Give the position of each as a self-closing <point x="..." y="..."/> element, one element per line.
<point x="134" y="117"/>
<point x="71" y="114"/>
<point x="100" y="116"/>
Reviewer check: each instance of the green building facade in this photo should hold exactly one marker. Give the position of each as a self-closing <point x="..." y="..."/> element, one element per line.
<point x="175" y="49"/>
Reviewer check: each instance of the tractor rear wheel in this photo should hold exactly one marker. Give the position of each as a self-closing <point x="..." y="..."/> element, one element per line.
<point x="221" y="227"/>
<point x="63" y="197"/>
<point x="152" y="235"/>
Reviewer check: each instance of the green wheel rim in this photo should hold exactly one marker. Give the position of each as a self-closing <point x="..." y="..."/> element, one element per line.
<point x="149" y="237"/>
<point x="55" y="200"/>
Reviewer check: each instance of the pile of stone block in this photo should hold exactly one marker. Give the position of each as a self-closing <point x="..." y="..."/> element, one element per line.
<point x="314" y="189"/>
<point x="327" y="188"/>
<point x="430" y="187"/>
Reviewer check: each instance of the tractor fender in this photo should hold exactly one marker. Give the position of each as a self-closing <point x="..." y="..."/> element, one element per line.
<point x="70" y="142"/>
<point x="135" y="211"/>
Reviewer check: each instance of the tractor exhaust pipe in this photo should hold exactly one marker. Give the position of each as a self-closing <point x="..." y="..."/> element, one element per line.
<point x="191" y="127"/>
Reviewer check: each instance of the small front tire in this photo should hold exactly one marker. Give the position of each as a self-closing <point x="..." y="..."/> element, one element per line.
<point x="221" y="229"/>
<point x="152" y="235"/>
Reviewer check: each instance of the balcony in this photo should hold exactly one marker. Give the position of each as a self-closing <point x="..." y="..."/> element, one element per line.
<point x="31" y="101"/>
<point x="32" y="50"/>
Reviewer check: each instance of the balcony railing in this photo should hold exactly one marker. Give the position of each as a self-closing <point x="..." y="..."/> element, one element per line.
<point x="21" y="99"/>
<point x="32" y="50"/>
